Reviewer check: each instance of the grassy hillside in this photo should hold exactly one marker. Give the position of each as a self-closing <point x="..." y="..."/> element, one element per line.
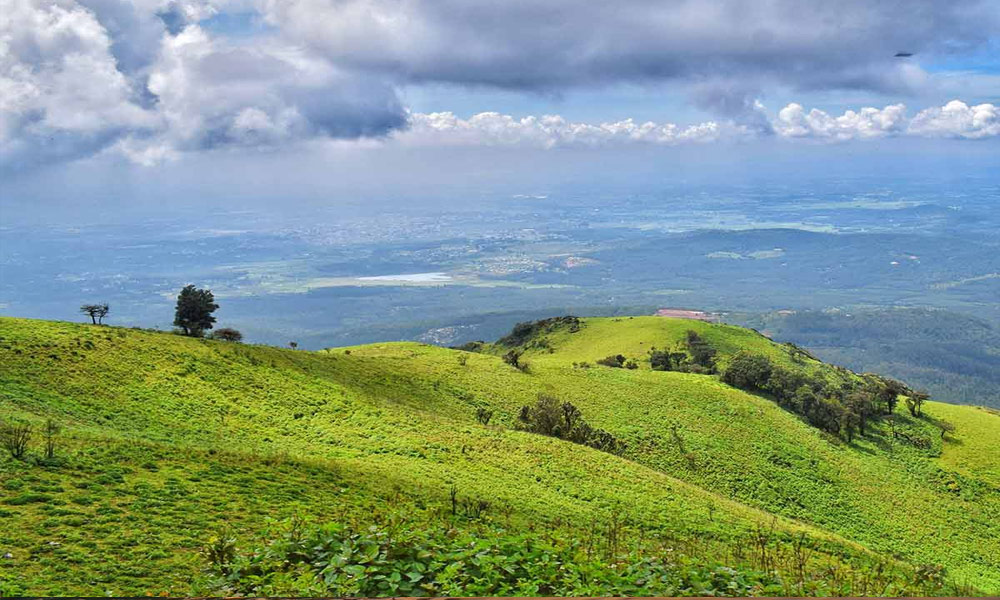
<point x="166" y="439"/>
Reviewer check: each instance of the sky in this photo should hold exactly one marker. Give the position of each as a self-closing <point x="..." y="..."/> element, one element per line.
<point x="305" y="97"/>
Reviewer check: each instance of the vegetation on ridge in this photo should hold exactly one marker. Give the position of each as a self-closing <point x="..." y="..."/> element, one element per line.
<point x="166" y="439"/>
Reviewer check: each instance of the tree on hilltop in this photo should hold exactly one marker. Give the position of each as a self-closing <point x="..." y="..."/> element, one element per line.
<point x="227" y="334"/>
<point x="194" y="310"/>
<point x="96" y="312"/>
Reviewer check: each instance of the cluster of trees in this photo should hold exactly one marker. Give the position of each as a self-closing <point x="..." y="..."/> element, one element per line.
<point x="693" y="355"/>
<point x="16" y="436"/>
<point x="523" y="332"/>
<point x="548" y="416"/>
<point x="844" y="409"/>
<point x="192" y="315"/>
<point x="96" y="312"/>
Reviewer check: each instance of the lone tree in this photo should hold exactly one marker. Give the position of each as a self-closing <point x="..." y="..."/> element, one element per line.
<point x="96" y="312"/>
<point x="228" y="334"/>
<point x="194" y="310"/>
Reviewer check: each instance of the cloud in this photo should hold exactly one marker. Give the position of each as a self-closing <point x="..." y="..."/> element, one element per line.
<point x="958" y="120"/>
<point x="495" y="129"/>
<point x="212" y="93"/>
<point x="61" y="93"/>
<point x="794" y="122"/>
<point x="552" y="45"/>
<point x="77" y="78"/>
<point x="152" y="79"/>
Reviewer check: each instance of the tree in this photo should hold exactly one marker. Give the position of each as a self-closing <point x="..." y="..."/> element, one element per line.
<point x="194" y="310"/>
<point x="915" y="402"/>
<point x="228" y="334"/>
<point x="15" y="437"/>
<point x="51" y="431"/>
<point x="860" y="403"/>
<point x="96" y="312"/>
<point x="748" y="371"/>
<point x="701" y="353"/>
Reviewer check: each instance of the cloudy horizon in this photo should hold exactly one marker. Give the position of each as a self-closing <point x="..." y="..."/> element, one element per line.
<point x="149" y="81"/>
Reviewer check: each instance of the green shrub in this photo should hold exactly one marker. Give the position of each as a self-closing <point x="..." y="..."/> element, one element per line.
<point x="563" y="420"/>
<point x="336" y="560"/>
<point x="28" y="498"/>
<point x="616" y="361"/>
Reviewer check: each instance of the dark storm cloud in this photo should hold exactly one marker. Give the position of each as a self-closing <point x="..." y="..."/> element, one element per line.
<point x="552" y="44"/>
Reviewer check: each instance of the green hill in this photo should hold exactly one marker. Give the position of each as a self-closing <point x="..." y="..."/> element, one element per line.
<point x="170" y="446"/>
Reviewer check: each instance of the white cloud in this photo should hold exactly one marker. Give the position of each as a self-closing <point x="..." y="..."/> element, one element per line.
<point x="75" y="81"/>
<point x="958" y="120"/>
<point x="495" y="129"/>
<point x="60" y="89"/>
<point x="794" y="122"/>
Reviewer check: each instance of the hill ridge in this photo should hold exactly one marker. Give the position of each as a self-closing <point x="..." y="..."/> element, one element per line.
<point x="355" y="409"/>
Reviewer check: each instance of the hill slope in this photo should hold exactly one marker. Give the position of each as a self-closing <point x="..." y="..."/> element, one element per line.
<point x="167" y="438"/>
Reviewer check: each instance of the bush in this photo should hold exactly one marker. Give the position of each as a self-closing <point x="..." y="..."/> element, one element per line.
<point x="665" y="360"/>
<point x="220" y="552"/>
<point x="15" y="437"/>
<point x="476" y="346"/>
<point x="483" y="415"/>
<point x="563" y="420"/>
<point x="513" y="358"/>
<point x="336" y="560"/>
<point x="615" y="360"/>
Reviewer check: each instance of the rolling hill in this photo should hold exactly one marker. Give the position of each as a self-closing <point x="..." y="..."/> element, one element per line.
<point x="192" y="466"/>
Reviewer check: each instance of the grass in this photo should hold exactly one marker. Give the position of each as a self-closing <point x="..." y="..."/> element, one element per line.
<point x="168" y="438"/>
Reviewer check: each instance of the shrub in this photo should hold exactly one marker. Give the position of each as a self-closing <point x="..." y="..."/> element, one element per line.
<point x="28" y="498"/>
<point x="513" y="358"/>
<point x="483" y="415"/>
<point x="615" y="360"/>
<point x="666" y="360"/>
<point x="220" y="552"/>
<point x="337" y="560"/>
<point x="563" y="420"/>
<point x="476" y="346"/>
<point x="15" y="437"/>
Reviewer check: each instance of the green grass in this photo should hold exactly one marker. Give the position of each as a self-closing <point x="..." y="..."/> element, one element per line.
<point x="168" y="438"/>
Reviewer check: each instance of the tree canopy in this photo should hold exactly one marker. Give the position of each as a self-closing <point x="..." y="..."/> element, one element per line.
<point x="96" y="312"/>
<point x="194" y="310"/>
